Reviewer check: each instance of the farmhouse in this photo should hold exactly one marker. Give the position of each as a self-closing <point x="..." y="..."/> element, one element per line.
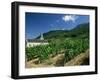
<point x="35" y="42"/>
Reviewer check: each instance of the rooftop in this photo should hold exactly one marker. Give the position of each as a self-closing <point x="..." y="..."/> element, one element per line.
<point x="37" y="40"/>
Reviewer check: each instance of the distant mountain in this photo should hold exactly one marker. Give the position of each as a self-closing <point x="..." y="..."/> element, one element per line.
<point x="80" y="31"/>
<point x="81" y="28"/>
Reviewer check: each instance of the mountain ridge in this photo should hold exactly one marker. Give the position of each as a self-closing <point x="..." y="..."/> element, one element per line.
<point x="78" y="31"/>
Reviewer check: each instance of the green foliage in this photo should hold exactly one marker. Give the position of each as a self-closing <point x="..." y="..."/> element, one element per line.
<point x="73" y="47"/>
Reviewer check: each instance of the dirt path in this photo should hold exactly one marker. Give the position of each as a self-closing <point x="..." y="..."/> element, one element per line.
<point x="55" y="61"/>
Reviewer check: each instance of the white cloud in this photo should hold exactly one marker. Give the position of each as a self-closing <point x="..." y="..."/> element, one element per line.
<point x="67" y="18"/>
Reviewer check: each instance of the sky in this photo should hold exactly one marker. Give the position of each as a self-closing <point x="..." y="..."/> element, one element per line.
<point x="37" y="23"/>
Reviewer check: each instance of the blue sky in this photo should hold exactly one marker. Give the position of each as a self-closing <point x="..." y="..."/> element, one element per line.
<point x="37" y="23"/>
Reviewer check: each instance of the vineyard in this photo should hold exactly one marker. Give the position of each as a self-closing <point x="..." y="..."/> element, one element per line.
<point x="69" y="47"/>
<point x="64" y="47"/>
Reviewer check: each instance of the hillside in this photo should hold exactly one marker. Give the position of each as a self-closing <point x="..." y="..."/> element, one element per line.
<point x="65" y="48"/>
<point x="80" y="31"/>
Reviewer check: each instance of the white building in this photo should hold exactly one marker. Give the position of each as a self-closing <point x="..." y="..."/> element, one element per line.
<point x="35" y="42"/>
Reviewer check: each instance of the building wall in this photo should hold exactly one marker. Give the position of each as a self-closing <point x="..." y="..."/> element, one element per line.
<point x="31" y="44"/>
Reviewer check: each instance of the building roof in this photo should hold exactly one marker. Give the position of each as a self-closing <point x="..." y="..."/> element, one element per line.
<point x="37" y="40"/>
